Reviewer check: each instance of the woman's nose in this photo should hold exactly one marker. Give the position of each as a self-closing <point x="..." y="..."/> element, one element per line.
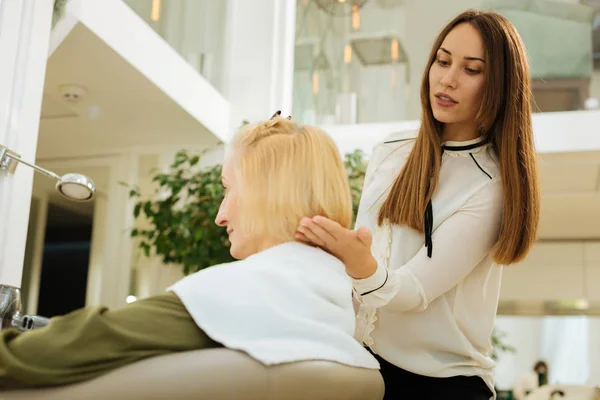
<point x="221" y="219"/>
<point x="449" y="78"/>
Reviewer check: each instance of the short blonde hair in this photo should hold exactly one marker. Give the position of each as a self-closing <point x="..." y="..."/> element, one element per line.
<point x="286" y="172"/>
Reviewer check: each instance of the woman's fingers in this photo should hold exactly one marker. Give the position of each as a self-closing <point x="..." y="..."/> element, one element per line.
<point x="311" y="236"/>
<point x="332" y="227"/>
<point x="317" y="234"/>
<point x="300" y="237"/>
<point x="364" y="235"/>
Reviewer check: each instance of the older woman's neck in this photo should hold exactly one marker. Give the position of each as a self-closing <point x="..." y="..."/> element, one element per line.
<point x="268" y="243"/>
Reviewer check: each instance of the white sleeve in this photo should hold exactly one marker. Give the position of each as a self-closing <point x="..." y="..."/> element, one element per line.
<point x="459" y="245"/>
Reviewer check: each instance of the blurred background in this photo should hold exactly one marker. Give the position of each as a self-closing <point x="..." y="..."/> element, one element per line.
<point x="129" y="83"/>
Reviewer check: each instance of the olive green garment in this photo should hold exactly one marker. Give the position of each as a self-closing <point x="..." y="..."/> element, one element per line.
<point x="91" y="341"/>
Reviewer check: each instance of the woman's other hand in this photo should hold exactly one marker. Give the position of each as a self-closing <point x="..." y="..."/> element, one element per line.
<point x="353" y="248"/>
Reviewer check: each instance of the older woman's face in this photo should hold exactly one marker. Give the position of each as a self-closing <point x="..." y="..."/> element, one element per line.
<point x="228" y="213"/>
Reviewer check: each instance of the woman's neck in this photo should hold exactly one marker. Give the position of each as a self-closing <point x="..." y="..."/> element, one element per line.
<point x="459" y="132"/>
<point x="267" y="243"/>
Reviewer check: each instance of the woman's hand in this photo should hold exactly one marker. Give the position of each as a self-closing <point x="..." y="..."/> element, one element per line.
<point x="353" y="248"/>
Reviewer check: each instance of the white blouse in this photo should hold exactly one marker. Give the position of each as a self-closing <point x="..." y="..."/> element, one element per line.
<point x="434" y="316"/>
<point x="291" y="302"/>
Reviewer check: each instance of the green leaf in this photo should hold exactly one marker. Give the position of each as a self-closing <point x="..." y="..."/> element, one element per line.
<point x="146" y="247"/>
<point x="148" y="208"/>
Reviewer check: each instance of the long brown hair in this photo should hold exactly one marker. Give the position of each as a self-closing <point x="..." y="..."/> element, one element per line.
<point x="503" y="119"/>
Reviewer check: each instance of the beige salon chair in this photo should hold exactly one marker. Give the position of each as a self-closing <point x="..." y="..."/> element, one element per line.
<point x="219" y="374"/>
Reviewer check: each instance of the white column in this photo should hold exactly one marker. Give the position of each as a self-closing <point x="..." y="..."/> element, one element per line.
<point x="116" y="270"/>
<point x="38" y="254"/>
<point x="24" y="37"/>
<point x="97" y="251"/>
<point x="110" y="256"/>
<point x="259" y="58"/>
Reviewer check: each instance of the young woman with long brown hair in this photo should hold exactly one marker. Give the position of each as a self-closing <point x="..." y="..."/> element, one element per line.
<point x="440" y="208"/>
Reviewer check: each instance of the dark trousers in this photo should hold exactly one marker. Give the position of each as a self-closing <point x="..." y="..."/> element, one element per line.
<point x="403" y="385"/>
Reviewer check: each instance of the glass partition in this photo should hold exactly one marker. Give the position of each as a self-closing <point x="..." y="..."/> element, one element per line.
<point x="194" y="28"/>
<point x="350" y="64"/>
<point x="361" y="61"/>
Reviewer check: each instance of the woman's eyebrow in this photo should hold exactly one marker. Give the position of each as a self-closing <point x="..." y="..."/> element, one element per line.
<point x="466" y="58"/>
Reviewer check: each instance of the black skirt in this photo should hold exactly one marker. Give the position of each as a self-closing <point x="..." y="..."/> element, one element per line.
<point x="404" y="385"/>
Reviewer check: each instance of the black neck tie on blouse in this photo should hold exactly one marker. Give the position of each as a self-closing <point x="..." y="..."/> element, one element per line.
<point x="428" y="218"/>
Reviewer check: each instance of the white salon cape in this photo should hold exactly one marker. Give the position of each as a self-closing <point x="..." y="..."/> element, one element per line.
<point x="289" y="303"/>
<point x="434" y="316"/>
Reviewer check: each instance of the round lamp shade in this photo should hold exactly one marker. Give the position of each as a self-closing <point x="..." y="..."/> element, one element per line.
<point x="76" y="187"/>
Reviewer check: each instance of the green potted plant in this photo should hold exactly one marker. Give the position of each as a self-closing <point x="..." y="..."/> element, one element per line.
<point x="181" y="214"/>
<point x="499" y="345"/>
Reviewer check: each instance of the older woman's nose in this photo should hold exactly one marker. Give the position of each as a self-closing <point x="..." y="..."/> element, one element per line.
<point x="221" y="219"/>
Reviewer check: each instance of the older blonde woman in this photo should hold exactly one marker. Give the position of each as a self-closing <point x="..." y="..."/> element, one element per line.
<point x="282" y="302"/>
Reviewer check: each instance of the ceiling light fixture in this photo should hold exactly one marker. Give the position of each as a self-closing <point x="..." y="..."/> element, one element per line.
<point x="155" y="12"/>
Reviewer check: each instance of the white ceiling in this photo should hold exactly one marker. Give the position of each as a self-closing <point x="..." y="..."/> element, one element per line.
<point x="121" y="108"/>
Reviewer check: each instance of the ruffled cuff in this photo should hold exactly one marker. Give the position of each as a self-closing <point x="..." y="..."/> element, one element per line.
<point x="365" y="324"/>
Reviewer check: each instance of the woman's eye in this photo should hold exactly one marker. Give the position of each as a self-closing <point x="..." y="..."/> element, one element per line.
<point x="443" y="63"/>
<point x="472" y="71"/>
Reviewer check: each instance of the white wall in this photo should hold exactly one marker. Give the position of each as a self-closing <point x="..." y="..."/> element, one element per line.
<point x="259" y="54"/>
<point x="555" y="271"/>
<point x="24" y="41"/>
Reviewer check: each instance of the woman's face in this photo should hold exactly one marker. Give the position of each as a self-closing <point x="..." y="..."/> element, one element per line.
<point x="456" y="77"/>
<point x="242" y="246"/>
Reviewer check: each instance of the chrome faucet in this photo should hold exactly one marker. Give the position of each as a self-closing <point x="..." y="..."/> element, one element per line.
<point x="10" y="311"/>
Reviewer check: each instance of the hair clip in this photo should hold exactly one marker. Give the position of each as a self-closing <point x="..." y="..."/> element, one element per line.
<point x="277" y="114"/>
<point x="289" y="118"/>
